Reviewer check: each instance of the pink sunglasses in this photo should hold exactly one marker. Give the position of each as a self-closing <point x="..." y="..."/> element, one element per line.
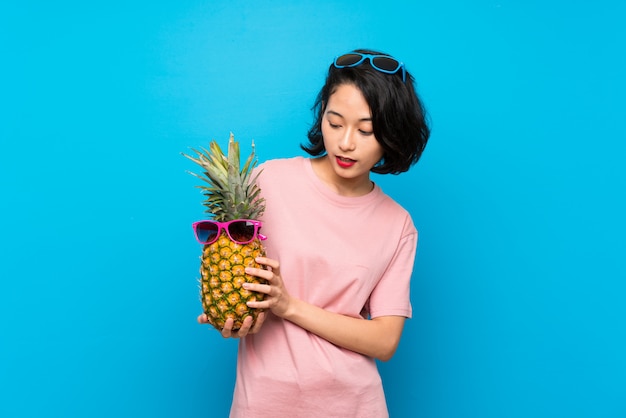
<point x="240" y="231"/>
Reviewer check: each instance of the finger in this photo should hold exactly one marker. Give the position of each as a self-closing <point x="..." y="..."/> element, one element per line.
<point x="260" y="273"/>
<point x="269" y="262"/>
<point x="258" y="287"/>
<point x="260" y="304"/>
<point x="227" y="331"/>
<point x="257" y="324"/>
<point x="202" y="319"/>
<point x="245" y="327"/>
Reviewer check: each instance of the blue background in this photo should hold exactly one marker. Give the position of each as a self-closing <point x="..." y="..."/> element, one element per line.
<point x="519" y="285"/>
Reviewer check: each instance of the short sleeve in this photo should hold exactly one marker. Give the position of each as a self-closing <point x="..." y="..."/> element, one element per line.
<point x="391" y="296"/>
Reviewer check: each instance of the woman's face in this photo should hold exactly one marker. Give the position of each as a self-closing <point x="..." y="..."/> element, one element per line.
<point x="349" y="137"/>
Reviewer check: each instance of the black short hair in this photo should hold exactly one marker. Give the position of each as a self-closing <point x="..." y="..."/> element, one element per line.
<point x="398" y="115"/>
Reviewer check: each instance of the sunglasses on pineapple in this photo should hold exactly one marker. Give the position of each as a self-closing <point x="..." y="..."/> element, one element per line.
<point x="240" y="231"/>
<point x="382" y="63"/>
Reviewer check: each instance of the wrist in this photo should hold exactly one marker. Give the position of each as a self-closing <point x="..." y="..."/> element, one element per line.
<point x="291" y="310"/>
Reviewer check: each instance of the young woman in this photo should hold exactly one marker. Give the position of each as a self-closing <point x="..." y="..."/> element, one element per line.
<point x="340" y="252"/>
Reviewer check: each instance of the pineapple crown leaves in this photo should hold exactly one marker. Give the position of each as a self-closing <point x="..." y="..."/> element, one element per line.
<point x="232" y="192"/>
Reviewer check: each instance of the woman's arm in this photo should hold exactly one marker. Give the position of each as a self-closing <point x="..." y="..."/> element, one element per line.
<point x="377" y="338"/>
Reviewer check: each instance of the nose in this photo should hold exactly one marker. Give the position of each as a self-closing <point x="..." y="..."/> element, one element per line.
<point x="347" y="141"/>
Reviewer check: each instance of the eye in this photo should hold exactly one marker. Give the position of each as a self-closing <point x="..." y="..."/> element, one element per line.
<point x="333" y="125"/>
<point x="366" y="133"/>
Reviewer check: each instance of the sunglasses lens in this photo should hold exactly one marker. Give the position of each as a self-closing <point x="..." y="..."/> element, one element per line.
<point x="348" y="60"/>
<point x="242" y="231"/>
<point x="386" y="63"/>
<point x="207" y="232"/>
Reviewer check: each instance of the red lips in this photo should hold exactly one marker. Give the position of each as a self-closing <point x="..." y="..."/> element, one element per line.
<point x="345" y="162"/>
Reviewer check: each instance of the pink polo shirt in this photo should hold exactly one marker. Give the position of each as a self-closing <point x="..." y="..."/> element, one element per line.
<point x="349" y="255"/>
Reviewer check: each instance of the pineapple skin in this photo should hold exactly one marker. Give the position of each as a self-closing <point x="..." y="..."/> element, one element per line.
<point x="222" y="272"/>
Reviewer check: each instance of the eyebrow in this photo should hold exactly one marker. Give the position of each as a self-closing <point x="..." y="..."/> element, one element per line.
<point x="369" y="119"/>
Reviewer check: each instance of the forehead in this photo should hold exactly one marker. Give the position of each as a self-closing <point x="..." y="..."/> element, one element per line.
<point x="347" y="100"/>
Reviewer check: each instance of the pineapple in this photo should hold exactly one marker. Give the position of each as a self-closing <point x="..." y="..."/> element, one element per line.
<point x="231" y="194"/>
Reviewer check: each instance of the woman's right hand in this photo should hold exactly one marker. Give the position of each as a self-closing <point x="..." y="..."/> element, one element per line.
<point x="246" y="328"/>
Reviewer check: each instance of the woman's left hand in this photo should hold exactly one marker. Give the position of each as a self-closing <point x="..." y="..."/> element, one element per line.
<point x="377" y="337"/>
<point x="277" y="298"/>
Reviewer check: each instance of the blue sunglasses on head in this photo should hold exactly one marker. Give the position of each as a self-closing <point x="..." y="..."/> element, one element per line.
<point x="382" y="63"/>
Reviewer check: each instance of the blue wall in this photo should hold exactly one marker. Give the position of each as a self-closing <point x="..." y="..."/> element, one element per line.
<point x="519" y="285"/>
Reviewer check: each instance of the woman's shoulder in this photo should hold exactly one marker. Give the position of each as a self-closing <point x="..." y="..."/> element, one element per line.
<point x="392" y="210"/>
<point x="281" y="167"/>
<point x="282" y="163"/>
<point x="281" y="170"/>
